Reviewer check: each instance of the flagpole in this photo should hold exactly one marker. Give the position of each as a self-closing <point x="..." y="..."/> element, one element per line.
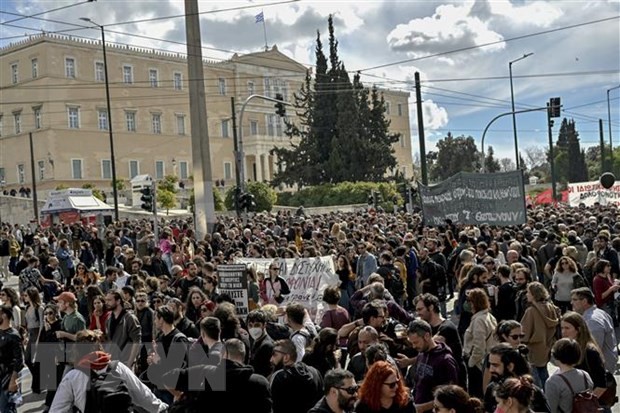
<point x="265" y="31"/>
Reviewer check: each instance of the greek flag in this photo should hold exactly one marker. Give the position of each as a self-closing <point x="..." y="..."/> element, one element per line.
<point x="260" y="17"/>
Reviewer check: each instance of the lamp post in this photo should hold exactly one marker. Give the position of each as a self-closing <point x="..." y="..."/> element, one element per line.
<point x="512" y="101"/>
<point x="111" y="134"/>
<point x="611" y="148"/>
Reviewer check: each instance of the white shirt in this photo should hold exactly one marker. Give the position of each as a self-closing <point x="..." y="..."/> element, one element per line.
<point x="73" y="388"/>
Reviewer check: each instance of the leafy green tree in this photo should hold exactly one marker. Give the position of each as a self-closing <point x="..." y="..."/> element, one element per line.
<point x="454" y="155"/>
<point x="60" y="187"/>
<point x="490" y="163"/>
<point x="169" y="183"/>
<point x="343" y="133"/>
<point x="120" y="184"/>
<point x="264" y="196"/>
<point x="166" y="199"/>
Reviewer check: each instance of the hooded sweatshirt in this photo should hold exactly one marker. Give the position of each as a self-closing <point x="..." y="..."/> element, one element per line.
<point x="539" y="325"/>
<point x="296" y="388"/>
<point x="230" y="384"/>
<point x="434" y="368"/>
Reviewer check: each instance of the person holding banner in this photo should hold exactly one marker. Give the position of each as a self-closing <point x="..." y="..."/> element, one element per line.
<point x="274" y="288"/>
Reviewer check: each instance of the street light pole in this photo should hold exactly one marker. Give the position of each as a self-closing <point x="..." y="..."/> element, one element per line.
<point x="611" y="148"/>
<point x="512" y="101"/>
<point x="107" y="97"/>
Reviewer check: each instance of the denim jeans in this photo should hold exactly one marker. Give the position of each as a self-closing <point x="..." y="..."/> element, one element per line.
<point x="540" y="374"/>
<point x="5" y="406"/>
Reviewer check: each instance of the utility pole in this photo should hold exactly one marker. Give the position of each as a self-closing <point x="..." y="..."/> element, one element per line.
<point x="600" y="132"/>
<point x="418" y="98"/>
<point x="155" y="222"/>
<point x="551" y="160"/>
<point x="237" y="155"/>
<point x="201" y="152"/>
<point x="512" y="101"/>
<point x="34" y="182"/>
<point x="611" y="144"/>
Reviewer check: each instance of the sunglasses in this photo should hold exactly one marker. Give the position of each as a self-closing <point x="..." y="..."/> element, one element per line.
<point x="392" y="384"/>
<point x="516" y="336"/>
<point x="350" y="390"/>
<point x="204" y="309"/>
<point x="140" y="301"/>
<point x="157" y="301"/>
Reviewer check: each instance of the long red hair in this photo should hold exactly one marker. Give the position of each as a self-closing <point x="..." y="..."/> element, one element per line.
<point x="370" y="392"/>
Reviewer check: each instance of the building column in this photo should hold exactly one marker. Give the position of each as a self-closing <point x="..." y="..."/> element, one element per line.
<point x="259" y="169"/>
<point x="266" y="170"/>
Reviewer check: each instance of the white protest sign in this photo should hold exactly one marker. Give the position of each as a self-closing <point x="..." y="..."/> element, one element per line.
<point x="307" y="279"/>
<point x="232" y="280"/>
<point x="589" y="193"/>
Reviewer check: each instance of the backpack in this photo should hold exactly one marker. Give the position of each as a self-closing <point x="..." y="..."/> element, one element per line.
<point x="585" y="401"/>
<point x="107" y="392"/>
<point x="395" y="284"/>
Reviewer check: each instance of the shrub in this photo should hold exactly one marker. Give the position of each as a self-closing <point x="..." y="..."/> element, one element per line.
<point x="343" y="193"/>
<point x="264" y="196"/>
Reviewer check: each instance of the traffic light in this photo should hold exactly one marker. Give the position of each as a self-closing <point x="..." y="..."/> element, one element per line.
<point x="371" y="199"/>
<point x="551" y="123"/>
<point x="247" y="201"/>
<point x="555" y="107"/>
<point x="147" y="198"/>
<point x="280" y="108"/>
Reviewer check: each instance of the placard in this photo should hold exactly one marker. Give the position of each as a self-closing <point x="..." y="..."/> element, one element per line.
<point x="233" y="281"/>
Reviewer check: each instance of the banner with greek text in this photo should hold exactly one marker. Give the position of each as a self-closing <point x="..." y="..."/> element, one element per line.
<point x="474" y="199"/>
<point x="232" y="280"/>
<point x="307" y="278"/>
<point x="589" y="193"/>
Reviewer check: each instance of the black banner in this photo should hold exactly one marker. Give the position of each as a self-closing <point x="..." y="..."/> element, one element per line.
<point x="474" y="199"/>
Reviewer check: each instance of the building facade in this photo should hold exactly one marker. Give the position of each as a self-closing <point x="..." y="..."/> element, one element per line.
<point x="54" y="87"/>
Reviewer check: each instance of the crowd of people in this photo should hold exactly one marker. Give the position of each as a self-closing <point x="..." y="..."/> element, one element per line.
<point x="115" y="302"/>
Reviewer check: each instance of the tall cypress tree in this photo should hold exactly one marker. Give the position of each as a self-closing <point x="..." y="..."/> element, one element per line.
<point x="346" y="135"/>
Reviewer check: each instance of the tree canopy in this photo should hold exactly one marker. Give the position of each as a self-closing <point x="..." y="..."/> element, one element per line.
<point x="341" y="133"/>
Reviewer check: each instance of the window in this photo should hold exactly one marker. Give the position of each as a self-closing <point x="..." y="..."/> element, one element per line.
<point x="403" y="143"/>
<point x="74" y="117"/>
<point x="253" y="127"/>
<point x="153" y="78"/>
<point x="271" y="125"/>
<point x="21" y="173"/>
<point x="159" y="169"/>
<point x="156" y="122"/>
<point x="284" y="91"/>
<point x="225" y="129"/>
<point x="134" y="169"/>
<point x="102" y="116"/>
<point x="34" y="63"/>
<point x="178" y="81"/>
<point x="130" y="120"/>
<point x="41" y="165"/>
<point x="37" y="117"/>
<point x="250" y="88"/>
<point x="127" y="74"/>
<point x="99" y="72"/>
<point x="1" y="124"/>
<point x="17" y="119"/>
<point x="227" y="170"/>
<point x="76" y="168"/>
<point x="400" y="109"/>
<point x="2" y="175"/>
<point x="106" y="169"/>
<point x="14" y="73"/>
<point x="267" y="82"/>
<point x="180" y="124"/>
<point x="222" y="85"/>
<point x="388" y="108"/>
<point x="183" y="170"/>
<point x="278" y="125"/>
<point x="70" y="67"/>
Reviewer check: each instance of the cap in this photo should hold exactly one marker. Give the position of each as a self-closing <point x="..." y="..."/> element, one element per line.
<point x="210" y="305"/>
<point x="66" y="296"/>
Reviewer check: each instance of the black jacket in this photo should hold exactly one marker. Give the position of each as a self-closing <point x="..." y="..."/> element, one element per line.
<point x="296" y="388"/>
<point x="321" y="407"/>
<point x="230" y="384"/>
<point x="11" y="355"/>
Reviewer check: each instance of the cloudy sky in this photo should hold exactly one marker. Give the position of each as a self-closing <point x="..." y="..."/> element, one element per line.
<point x="462" y="50"/>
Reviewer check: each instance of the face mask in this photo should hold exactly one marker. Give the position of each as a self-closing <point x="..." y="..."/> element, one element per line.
<point x="255" y="332"/>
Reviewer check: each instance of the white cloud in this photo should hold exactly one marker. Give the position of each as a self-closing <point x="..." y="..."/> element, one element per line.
<point x="450" y="27"/>
<point x="435" y="116"/>
<point x="537" y="13"/>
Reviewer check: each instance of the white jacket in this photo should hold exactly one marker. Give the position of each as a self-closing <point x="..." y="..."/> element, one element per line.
<point x="73" y="388"/>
